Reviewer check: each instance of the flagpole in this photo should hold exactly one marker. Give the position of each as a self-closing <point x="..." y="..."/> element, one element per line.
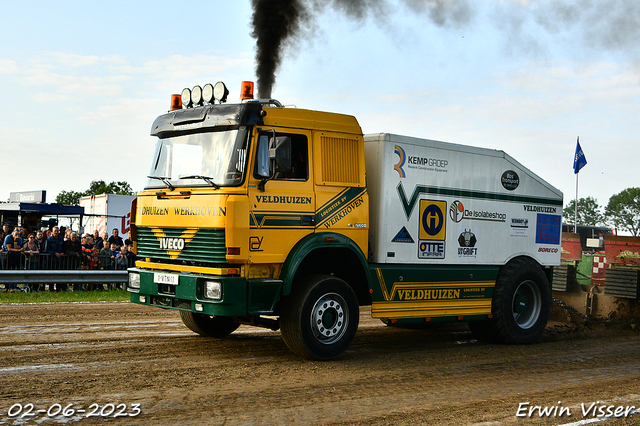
<point x="579" y="161"/>
<point x="575" y="224"/>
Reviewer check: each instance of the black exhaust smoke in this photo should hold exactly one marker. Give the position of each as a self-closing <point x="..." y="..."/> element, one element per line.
<point x="278" y="22"/>
<point x="610" y="24"/>
<point x="274" y="22"/>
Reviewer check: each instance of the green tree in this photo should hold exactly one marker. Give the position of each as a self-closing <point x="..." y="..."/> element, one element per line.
<point x="589" y="212"/>
<point x="69" y="197"/>
<point x="95" y="188"/>
<point x="623" y="210"/>
<point x="100" y="187"/>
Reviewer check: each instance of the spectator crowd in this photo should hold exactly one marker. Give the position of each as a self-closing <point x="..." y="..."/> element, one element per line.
<point x="60" y="248"/>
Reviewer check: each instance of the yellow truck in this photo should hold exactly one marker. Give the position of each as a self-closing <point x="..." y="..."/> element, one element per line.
<point x="256" y="213"/>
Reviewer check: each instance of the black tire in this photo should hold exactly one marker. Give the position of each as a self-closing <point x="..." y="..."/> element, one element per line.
<point x="483" y="331"/>
<point x="320" y="318"/>
<point x="207" y="325"/>
<point x="521" y="302"/>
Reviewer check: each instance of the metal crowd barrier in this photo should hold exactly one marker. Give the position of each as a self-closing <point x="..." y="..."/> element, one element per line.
<point x="39" y="269"/>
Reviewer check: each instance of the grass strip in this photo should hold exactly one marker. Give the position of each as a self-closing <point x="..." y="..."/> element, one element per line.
<point x="64" y="296"/>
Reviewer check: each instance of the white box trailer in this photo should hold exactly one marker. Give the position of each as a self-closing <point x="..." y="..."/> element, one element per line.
<point x="434" y="202"/>
<point x="105" y="212"/>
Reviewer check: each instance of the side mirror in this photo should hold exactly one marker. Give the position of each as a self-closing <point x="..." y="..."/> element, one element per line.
<point x="280" y="152"/>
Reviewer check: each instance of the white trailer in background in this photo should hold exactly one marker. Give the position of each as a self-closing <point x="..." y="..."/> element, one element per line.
<point x="105" y="212"/>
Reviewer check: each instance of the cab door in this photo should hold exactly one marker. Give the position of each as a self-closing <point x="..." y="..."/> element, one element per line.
<point x="281" y="204"/>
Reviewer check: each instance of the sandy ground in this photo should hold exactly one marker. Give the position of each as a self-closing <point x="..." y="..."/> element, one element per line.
<point x="145" y="360"/>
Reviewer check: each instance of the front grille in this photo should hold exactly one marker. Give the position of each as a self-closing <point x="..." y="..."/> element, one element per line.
<point x="202" y="247"/>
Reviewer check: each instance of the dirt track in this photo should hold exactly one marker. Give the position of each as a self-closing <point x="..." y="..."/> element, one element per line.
<point x="115" y="353"/>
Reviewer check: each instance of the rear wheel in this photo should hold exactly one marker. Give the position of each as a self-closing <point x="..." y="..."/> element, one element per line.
<point x="320" y="318"/>
<point x="521" y="302"/>
<point x="207" y="325"/>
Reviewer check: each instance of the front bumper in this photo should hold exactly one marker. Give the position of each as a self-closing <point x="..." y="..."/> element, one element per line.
<point x="240" y="297"/>
<point x="188" y="293"/>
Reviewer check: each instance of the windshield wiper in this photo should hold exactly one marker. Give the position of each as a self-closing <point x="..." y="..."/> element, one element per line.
<point x="204" y="178"/>
<point x="164" y="180"/>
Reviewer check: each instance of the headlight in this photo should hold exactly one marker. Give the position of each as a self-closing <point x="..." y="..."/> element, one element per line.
<point x="134" y="280"/>
<point x="213" y="290"/>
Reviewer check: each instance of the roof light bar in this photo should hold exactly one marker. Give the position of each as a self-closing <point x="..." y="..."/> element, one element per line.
<point x="220" y="92"/>
<point x="186" y="98"/>
<point x="207" y="93"/>
<point x="210" y="93"/>
<point x="196" y="95"/>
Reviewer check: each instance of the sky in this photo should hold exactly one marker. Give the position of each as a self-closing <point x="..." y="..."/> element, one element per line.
<point x="82" y="82"/>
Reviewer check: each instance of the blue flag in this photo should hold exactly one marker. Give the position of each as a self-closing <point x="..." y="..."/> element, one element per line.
<point x="579" y="160"/>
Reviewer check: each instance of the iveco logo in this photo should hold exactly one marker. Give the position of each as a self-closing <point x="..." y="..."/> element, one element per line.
<point x="171" y="243"/>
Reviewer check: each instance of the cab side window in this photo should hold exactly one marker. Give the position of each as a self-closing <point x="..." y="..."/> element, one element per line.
<point x="299" y="157"/>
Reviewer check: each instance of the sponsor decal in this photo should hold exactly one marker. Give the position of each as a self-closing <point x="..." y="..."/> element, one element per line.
<point x="539" y="209"/>
<point x="432" y="220"/>
<point x="467" y="242"/>
<point x="456" y="211"/>
<point x="430" y="294"/>
<point x="173" y="246"/>
<point x="340" y="206"/>
<point x="402" y="158"/>
<point x="548" y="228"/>
<point x="547" y="250"/>
<point x="431" y="250"/>
<point x="420" y="163"/>
<point x="510" y="180"/>
<point x="255" y="243"/>
<point x="410" y="201"/>
<point x="343" y="212"/>
<point x="184" y="211"/>
<point x="519" y="223"/>
<point x="403" y="236"/>
<point x="275" y="199"/>
<point x="171" y="243"/>
<point x="432" y="229"/>
<point x="519" y="227"/>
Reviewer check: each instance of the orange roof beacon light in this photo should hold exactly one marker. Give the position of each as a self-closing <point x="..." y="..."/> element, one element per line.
<point x="246" y="92"/>
<point x="176" y="103"/>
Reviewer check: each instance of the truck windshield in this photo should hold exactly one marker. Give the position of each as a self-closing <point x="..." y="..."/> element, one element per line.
<point x="202" y="159"/>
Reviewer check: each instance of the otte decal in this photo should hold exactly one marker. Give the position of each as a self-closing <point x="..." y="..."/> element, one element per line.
<point x="432" y="229"/>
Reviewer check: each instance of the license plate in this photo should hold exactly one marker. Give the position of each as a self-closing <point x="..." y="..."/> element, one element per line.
<point x="160" y="278"/>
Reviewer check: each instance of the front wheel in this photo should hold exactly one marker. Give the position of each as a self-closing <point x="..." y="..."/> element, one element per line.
<point x="320" y="318"/>
<point x="207" y="325"/>
<point x="521" y="302"/>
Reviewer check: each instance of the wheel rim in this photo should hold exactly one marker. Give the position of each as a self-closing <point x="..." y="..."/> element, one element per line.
<point x="329" y="318"/>
<point x="527" y="302"/>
